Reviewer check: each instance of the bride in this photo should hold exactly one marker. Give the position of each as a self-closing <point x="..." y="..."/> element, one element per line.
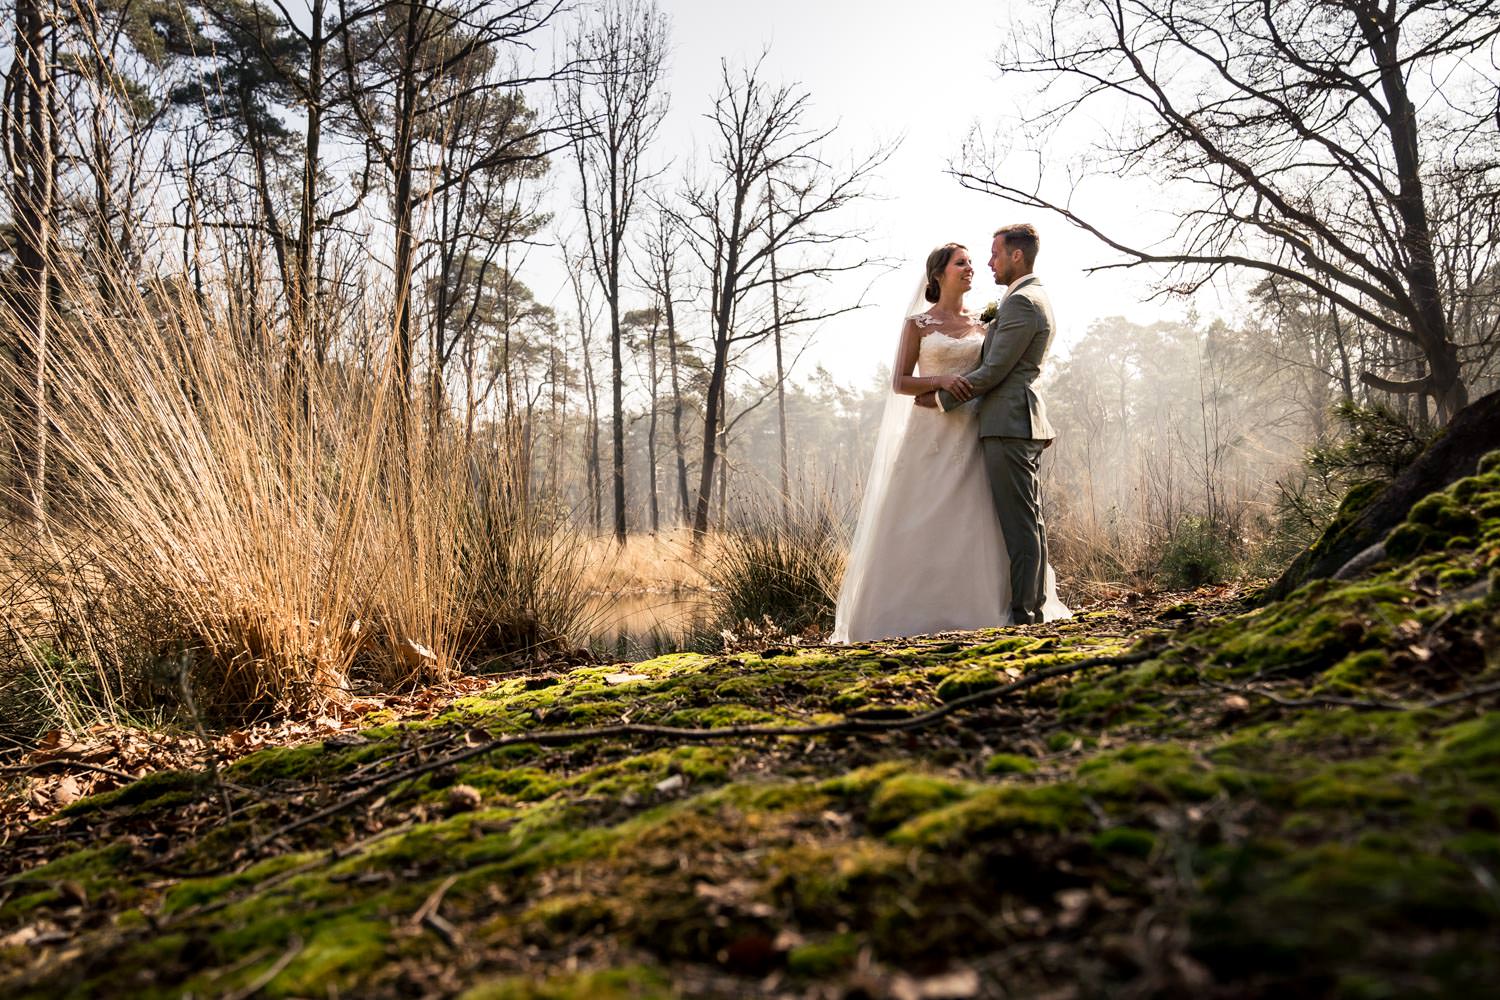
<point x="928" y="555"/>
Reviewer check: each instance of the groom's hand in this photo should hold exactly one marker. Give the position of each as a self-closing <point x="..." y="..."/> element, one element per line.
<point x="928" y="399"/>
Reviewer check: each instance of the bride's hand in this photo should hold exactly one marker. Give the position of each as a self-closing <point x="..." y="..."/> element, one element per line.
<point x="957" y="386"/>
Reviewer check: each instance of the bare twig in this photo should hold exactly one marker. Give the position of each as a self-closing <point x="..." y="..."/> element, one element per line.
<point x="294" y="948"/>
<point x="63" y="763"/>
<point x="427" y="915"/>
<point x="1333" y="701"/>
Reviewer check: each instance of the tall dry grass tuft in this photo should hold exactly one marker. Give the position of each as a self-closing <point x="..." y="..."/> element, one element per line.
<point x="524" y="567"/>
<point x="223" y="523"/>
<point x="785" y="569"/>
<point x="1097" y="559"/>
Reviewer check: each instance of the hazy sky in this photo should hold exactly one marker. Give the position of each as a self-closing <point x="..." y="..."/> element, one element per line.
<point x="883" y="69"/>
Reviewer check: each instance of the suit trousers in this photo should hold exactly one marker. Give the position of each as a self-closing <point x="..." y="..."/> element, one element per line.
<point x="1012" y="464"/>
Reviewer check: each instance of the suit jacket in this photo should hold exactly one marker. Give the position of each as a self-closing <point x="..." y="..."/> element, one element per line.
<point x="1009" y="364"/>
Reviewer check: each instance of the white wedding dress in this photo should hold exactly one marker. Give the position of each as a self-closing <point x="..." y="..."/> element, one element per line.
<point x="928" y="555"/>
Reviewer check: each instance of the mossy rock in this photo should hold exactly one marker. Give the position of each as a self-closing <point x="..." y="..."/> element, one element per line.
<point x="1463" y="449"/>
<point x="967" y="682"/>
<point x="903" y="796"/>
<point x="1009" y="763"/>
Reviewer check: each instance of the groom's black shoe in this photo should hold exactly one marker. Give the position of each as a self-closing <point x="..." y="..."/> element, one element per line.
<point x="1020" y="616"/>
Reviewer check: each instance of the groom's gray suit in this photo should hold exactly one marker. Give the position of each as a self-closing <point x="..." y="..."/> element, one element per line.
<point x="1013" y="430"/>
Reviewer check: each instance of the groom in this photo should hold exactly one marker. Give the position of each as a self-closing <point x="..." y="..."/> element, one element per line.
<point x="1013" y="427"/>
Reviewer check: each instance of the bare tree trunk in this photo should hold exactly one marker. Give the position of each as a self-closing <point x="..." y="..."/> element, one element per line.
<point x="711" y="420"/>
<point x="405" y="264"/>
<point x="1443" y="382"/>
<point x="617" y="402"/>
<point x="761" y="130"/>
<point x="29" y="152"/>
<point x="651" y="425"/>
<point x="723" y="467"/>
<point x="1346" y="367"/>
<point x="786" y="483"/>
<point x="301" y="296"/>
<point x="678" y="449"/>
<point x="555" y="374"/>
<point x="616" y="104"/>
<point x="591" y="393"/>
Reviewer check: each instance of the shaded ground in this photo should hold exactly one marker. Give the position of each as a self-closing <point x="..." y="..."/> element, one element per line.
<point x="1302" y="799"/>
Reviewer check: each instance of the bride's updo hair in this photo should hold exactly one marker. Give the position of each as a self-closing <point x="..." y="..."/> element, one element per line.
<point x="937" y="263"/>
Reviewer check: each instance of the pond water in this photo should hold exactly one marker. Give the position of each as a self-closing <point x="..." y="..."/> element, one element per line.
<point x="638" y="626"/>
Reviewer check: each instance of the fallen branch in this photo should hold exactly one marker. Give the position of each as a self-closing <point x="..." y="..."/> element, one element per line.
<point x="1334" y="701"/>
<point x="427" y="916"/>
<point x="847" y="726"/>
<point x="66" y="762"/>
<point x="264" y="979"/>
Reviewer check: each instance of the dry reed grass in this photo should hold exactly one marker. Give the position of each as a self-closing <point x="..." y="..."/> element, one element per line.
<point x="662" y="563"/>
<point x="780" y="566"/>
<point x="220" y="521"/>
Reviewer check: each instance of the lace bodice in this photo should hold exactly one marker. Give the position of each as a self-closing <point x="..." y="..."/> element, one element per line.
<point x="940" y="354"/>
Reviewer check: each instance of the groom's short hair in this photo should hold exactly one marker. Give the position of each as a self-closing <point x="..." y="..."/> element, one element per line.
<point x="1022" y="236"/>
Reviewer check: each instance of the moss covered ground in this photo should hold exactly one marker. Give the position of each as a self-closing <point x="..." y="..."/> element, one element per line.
<point x="1299" y="798"/>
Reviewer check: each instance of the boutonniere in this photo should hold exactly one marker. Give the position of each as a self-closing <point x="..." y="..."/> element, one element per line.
<point x="989" y="312"/>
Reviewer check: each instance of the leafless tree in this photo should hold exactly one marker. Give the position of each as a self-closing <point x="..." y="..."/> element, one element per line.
<point x="587" y="316"/>
<point x="393" y="69"/>
<point x="760" y="132"/>
<point x="616" y="103"/>
<point x="28" y="130"/>
<point x="659" y="249"/>
<point x="1300" y="140"/>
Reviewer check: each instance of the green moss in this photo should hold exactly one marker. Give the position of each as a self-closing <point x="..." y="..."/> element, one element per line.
<point x="1009" y="763"/>
<point x="966" y="682"/>
<point x="335" y="949"/>
<point x="1354" y="671"/>
<point x="1061" y="740"/>
<point x="97" y="866"/>
<point x="1383" y="885"/>
<point x="826" y="957"/>
<point x="863" y="780"/>
<point x="1328" y="835"/>
<point x="719" y="716"/>
<point x="1151" y="772"/>
<point x="1349" y="790"/>
<point x="1444" y="514"/>
<point x="1354" y="503"/>
<point x="628" y="983"/>
<point x="1471" y="488"/>
<point x="195" y="892"/>
<point x="818" y="882"/>
<point x="522" y="784"/>
<point x="1126" y="840"/>
<point x="1471" y="748"/>
<point x="130" y="920"/>
<point x="1455" y="577"/>
<point x="280" y="764"/>
<point x="991" y="812"/>
<point x="1010" y="644"/>
<point x="673" y="664"/>
<point x="570" y="914"/>
<point x="1489" y="464"/>
<point x="1317" y="735"/>
<point x="903" y="796"/>
<point x="162" y="789"/>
